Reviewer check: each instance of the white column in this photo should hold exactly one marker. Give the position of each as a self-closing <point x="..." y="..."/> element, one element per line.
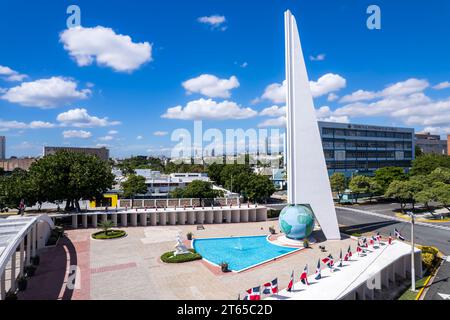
<point x="28" y="252"/>
<point x="123" y="219"/>
<point x="252" y="215"/>
<point x="134" y="219"/>
<point x="84" y="219"/>
<point x="153" y="218"/>
<point x="162" y="218"/>
<point x="244" y="215"/>
<point x="143" y="219"/>
<point x="200" y="216"/>
<point x="227" y="215"/>
<point x="104" y="217"/>
<point x="3" y="285"/>
<point x="114" y="218"/>
<point x="181" y="217"/>
<point x="13" y="272"/>
<point x="172" y="218"/>
<point x="33" y="241"/>
<point x="191" y="217"/>
<point x="235" y="216"/>
<point x="261" y="214"/>
<point x="22" y="257"/>
<point x="74" y="221"/>
<point x="94" y="221"/>
<point x="218" y="217"/>
<point x="209" y="217"/>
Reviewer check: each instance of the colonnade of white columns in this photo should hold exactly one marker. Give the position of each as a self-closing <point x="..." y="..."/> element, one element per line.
<point x="27" y="249"/>
<point x="171" y="216"/>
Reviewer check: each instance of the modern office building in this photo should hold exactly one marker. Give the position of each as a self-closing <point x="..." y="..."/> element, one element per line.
<point x="16" y="163"/>
<point x="2" y="147"/>
<point x="362" y="149"/>
<point x="102" y="153"/>
<point x="431" y="143"/>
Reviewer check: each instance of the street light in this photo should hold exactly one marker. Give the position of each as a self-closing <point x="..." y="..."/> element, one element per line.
<point x="413" y="272"/>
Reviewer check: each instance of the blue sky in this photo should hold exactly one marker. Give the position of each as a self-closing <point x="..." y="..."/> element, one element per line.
<point x="111" y="81"/>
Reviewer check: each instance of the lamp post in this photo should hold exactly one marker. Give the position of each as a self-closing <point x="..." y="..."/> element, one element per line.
<point x="413" y="272"/>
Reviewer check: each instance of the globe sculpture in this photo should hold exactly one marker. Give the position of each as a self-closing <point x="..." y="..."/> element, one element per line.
<point x="296" y="221"/>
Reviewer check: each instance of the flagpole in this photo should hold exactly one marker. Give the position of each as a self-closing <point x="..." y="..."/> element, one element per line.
<point x="413" y="272"/>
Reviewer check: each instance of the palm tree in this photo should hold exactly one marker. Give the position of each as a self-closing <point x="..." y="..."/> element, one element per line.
<point x="106" y="226"/>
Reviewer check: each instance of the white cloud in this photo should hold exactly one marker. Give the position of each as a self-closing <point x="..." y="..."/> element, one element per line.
<point x="332" y="97"/>
<point x="160" y="133"/>
<point x="319" y="57"/>
<point x="244" y="65"/>
<point x="76" y="134"/>
<point x="80" y="118"/>
<point x="326" y="84"/>
<point x="211" y="86"/>
<point x="273" y="122"/>
<point x="139" y="137"/>
<point x="215" y="21"/>
<point x="437" y="130"/>
<point x="7" y="125"/>
<point x="112" y="132"/>
<point x="273" y="111"/>
<point x="106" y="138"/>
<point x="107" y="48"/>
<point x="11" y="75"/>
<point x="402" y="88"/>
<point x="209" y="109"/>
<point x="46" y="93"/>
<point x="442" y="85"/>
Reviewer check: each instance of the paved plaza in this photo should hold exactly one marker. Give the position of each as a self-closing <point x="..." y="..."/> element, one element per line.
<point x="130" y="268"/>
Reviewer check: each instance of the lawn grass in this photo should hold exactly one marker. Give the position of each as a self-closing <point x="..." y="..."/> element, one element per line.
<point x="411" y="295"/>
<point x="112" y="234"/>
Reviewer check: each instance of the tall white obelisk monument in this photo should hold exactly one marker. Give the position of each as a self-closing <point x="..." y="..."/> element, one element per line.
<point x="308" y="181"/>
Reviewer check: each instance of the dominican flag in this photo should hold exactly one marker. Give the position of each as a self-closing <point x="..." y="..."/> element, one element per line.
<point x="358" y="250"/>
<point x="364" y="243"/>
<point x="398" y="235"/>
<point x="318" y="273"/>
<point x="340" y="259"/>
<point x="304" y="276"/>
<point x="371" y="241"/>
<point x="291" y="283"/>
<point x="346" y="257"/>
<point x="379" y="238"/>
<point x="271" y="287"/>
<point x="390" y="239"/>
<point x="253" y="294"/>
<point x="329" y="261"/>
<point x="349" y="252"/>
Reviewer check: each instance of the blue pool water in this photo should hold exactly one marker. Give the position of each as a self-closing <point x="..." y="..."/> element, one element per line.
<point x="239" y="252"/>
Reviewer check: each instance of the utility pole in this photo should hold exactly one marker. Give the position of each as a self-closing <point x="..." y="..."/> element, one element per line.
<point x="413" y="272"/>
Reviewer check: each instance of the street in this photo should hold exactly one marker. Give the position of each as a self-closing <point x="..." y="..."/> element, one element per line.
<point x="354" y="222"/>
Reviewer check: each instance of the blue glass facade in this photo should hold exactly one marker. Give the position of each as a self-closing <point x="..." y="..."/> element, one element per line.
<point x="362" y="149"/>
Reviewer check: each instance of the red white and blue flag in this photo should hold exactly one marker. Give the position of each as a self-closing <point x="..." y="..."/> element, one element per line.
<point x="398" y="235"/>
<point x="359" y="250"/>
<point x="271" y="287"/>
<point x="318" y="273"/>
<point x="329" y="261"/>
<point x="291" y="283"/>
<point x="253" y="294"/>
<point x="379" y="238"/>
<point x="304" y="276"/>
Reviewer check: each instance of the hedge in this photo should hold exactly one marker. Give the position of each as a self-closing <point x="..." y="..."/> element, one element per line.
<point x="169" y="257"/>
<point x="112" y="234"/>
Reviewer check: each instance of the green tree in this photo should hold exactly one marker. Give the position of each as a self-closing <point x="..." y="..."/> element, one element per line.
<point x="425" y="196"/>
<point x="418" y="152"/>
<point x="427" y="163"/>
<point x="359" y="185"/>
<point x="202" y="190"/>
<point x="258" y="188"/>
<point x="132" y="186"/>
<point x="404" y="192"/>
<point x="106" y="226"/>
<point x="235" y="176"/>
<point x="338" y="184"/>
<point x="441" y="192"/>
<point x="70" y="176"/>
<point x="384" y="176"/>
<point x="214" y="171"/>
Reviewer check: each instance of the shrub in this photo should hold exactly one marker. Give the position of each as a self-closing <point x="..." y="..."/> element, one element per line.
<point x="272" y="229"/>
<point x="30" y="270"/>
<point x="22" y="283"/>
<point x="169" y="257"/>
<point x="35" y="260"/>
<point x="305" y="243"/>
<point x="429" y="257"/>
<point x="189" y="235"/>
<point x="111" y="234"/>
<point x="355" y="234"/>
<point x="224" y="267"/>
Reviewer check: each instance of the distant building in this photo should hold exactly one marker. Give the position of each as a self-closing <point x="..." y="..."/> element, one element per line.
<point x="102" y="153"/>
<point x="431" y="143"/>
<point x="362" y="149"/>
<point x="2" y="147"/>
<point x="16" y="163"/>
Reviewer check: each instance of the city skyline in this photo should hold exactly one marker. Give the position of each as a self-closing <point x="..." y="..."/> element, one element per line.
<point x="148" y="75"/>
